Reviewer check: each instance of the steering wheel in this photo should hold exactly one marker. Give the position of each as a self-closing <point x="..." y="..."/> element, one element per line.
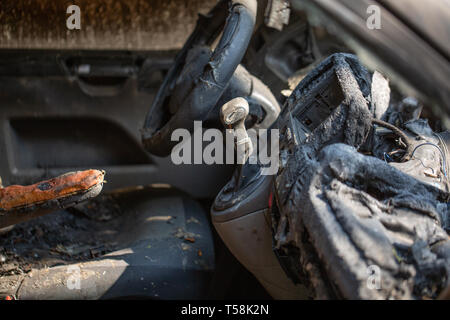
<point x="199" y="77"/>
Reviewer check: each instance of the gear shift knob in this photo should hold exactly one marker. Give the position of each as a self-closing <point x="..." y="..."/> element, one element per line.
<point x="233" y="114"/>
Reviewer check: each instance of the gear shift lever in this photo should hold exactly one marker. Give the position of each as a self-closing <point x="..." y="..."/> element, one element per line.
<point x="233" y="114"/>
<point x="242" y="209"/>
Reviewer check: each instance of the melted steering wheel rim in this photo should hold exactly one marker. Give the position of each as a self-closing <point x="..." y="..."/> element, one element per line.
<point x="239" y="22"/>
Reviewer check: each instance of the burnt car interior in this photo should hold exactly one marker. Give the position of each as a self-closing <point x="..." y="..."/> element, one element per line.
<point x="88" y="182"/>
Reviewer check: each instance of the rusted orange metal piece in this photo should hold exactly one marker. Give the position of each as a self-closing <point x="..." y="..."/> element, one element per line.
<point x="13" y="197"/>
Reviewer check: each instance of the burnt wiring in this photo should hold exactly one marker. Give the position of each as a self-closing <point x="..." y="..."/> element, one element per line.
<point x="426" y="167"/>
<point x="386" y="157"/>
<point x="444" y="158"/>
<point x="400" y="133"/>
<point x="409" y="153"/>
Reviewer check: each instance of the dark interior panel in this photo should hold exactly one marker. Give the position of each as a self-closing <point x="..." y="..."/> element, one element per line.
<point x="43" y="143"/>
<point x="54" y="118"/>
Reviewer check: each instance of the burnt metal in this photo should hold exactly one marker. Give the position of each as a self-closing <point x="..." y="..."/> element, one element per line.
<point x="22" y="203"/>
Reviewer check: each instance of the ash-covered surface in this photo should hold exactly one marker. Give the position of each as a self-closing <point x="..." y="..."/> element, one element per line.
<point x="116" y="24"/>
<point x="133" y="242"/>
<point x="74" y="235"/>
<point x="365" y="228"/>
